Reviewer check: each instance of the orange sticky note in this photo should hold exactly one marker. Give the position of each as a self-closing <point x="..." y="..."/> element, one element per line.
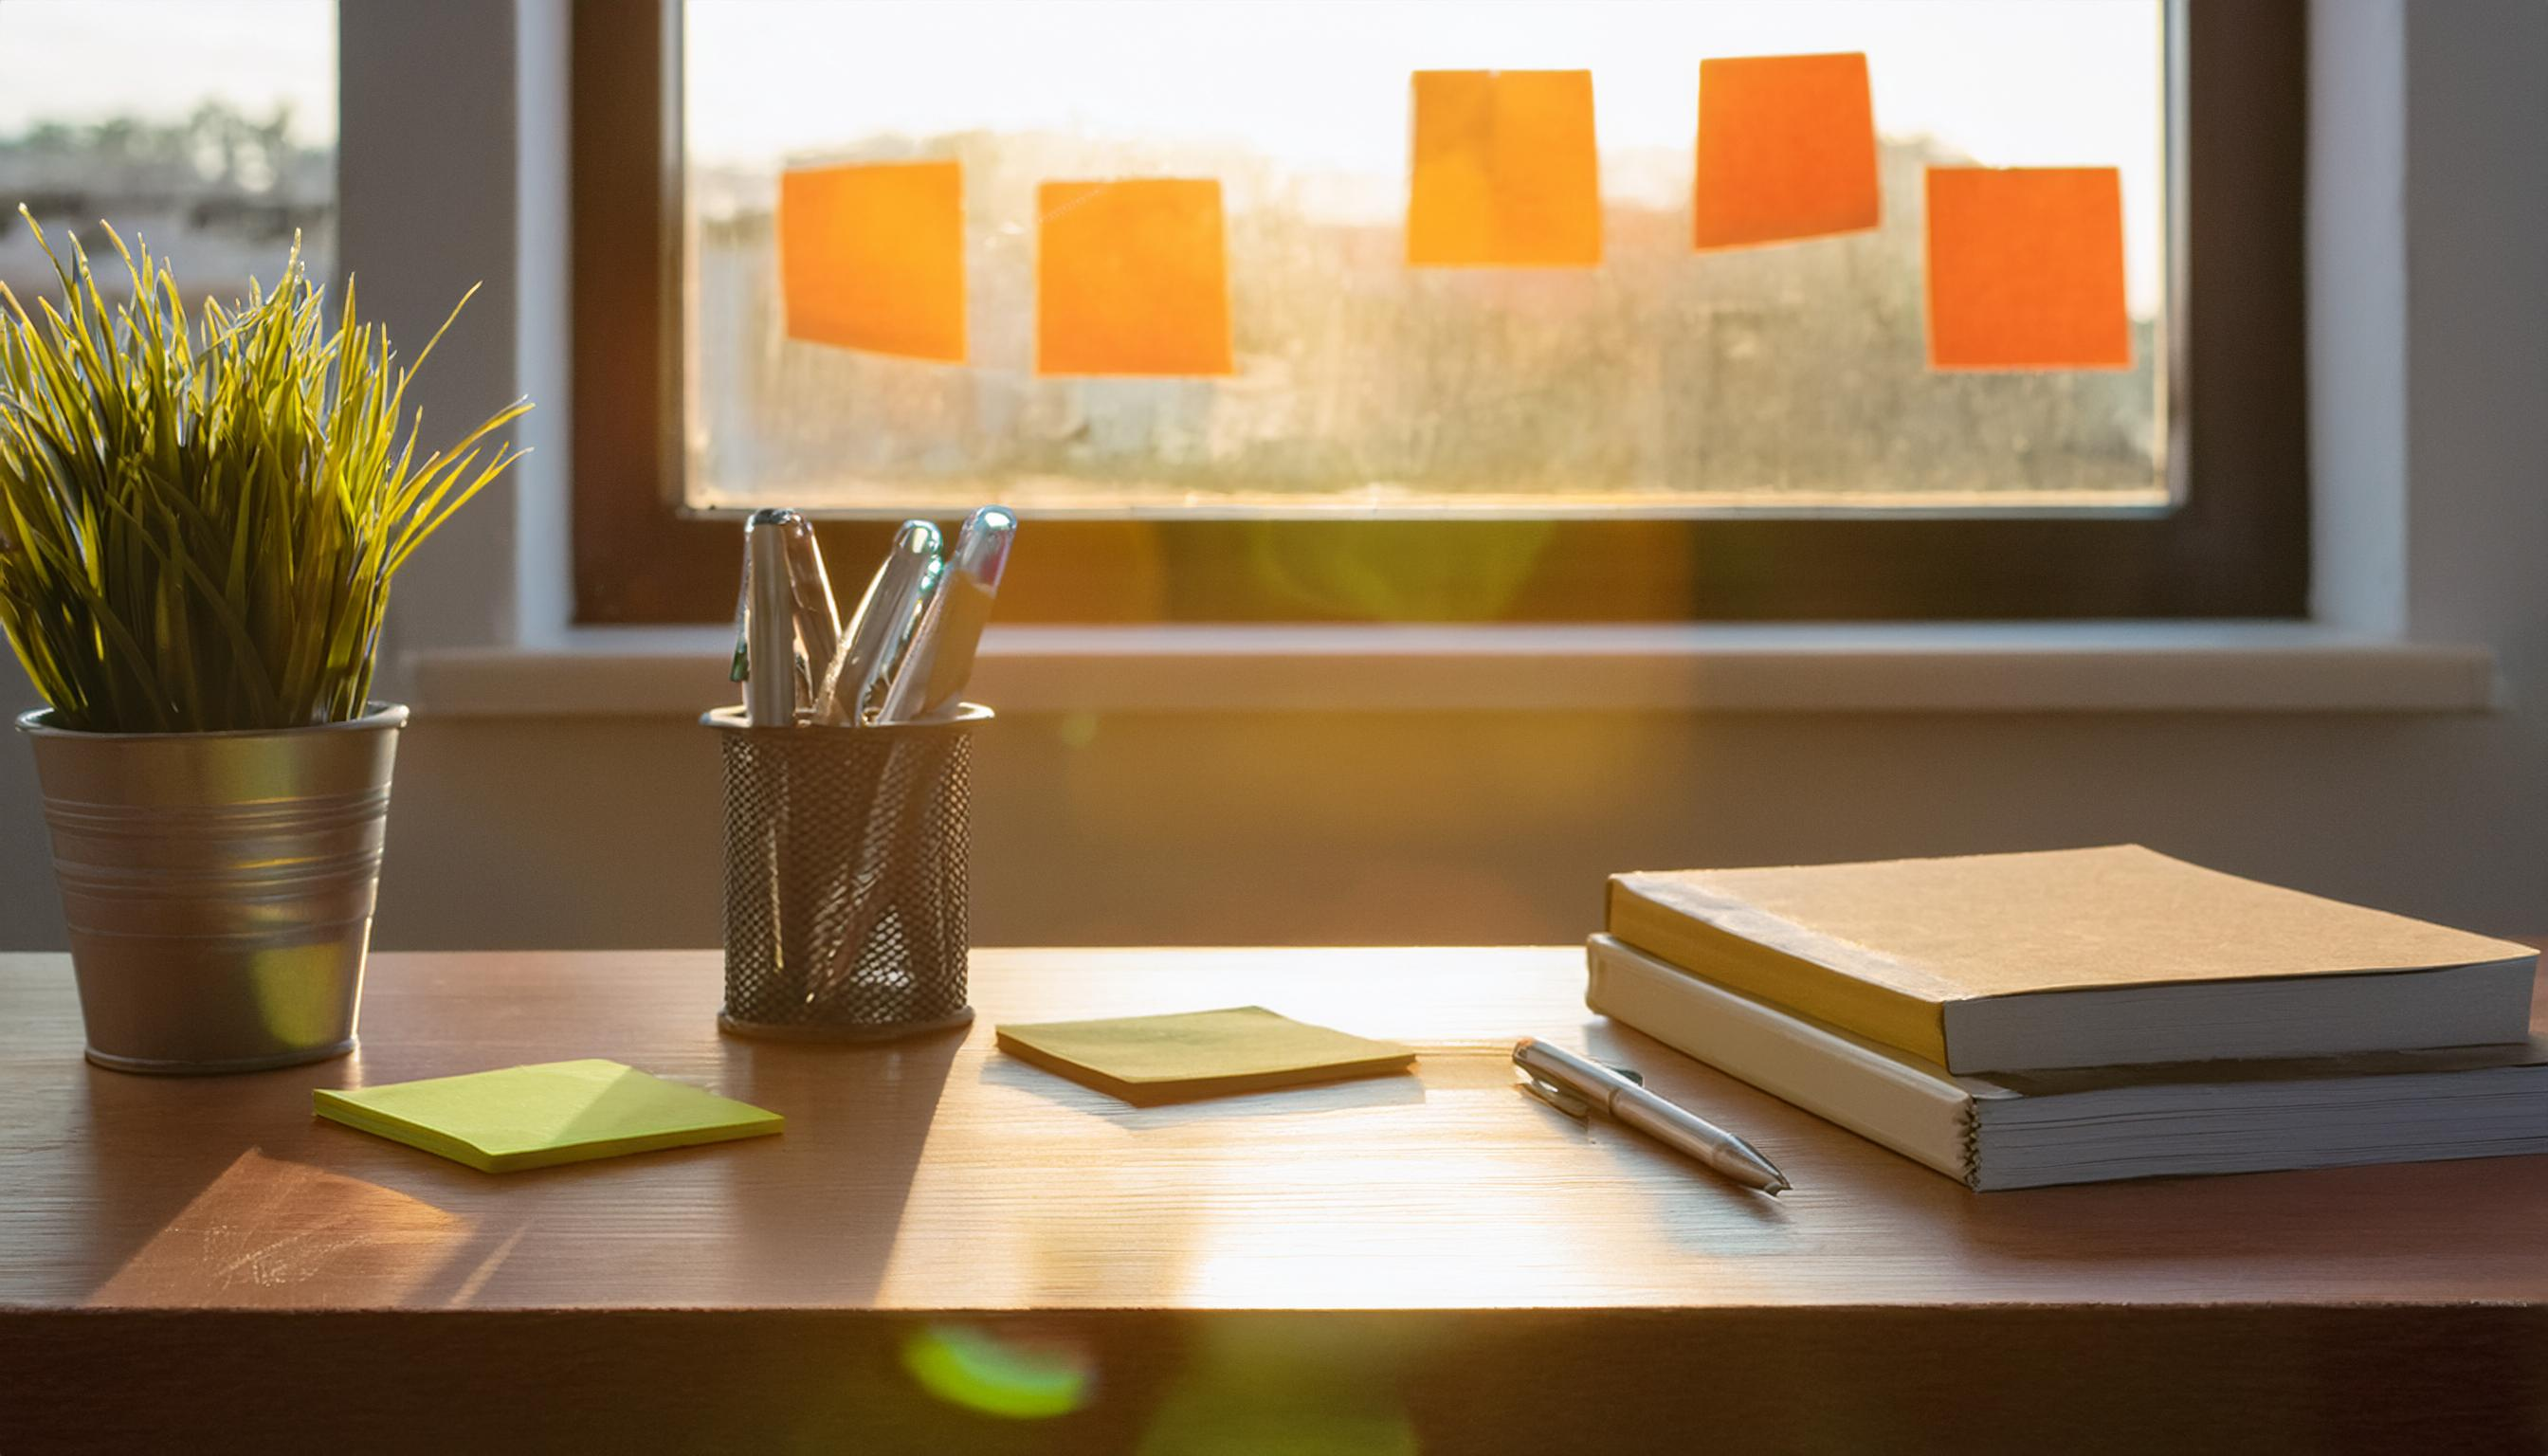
<point x="872" y="257"/>
<point x="1787" y="149"/>
<point x="2026" y="269"/>
<point x="1131" y="278"/>
<point x="1505" y="172"/>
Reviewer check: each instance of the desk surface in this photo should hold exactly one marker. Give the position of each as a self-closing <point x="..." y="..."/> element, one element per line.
<point x="939" y="1176"/>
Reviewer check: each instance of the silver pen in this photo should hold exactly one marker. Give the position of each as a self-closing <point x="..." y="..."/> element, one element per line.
<point x="881" y="627"/>
<point x="770" y="623"/>
<point x="1578" y="1087"/>
<point x="817" y="616"/>
<point x="942" y="651"/>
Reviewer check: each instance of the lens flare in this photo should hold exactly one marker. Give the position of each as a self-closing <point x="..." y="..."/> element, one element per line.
<point x="1014" y="1379"/>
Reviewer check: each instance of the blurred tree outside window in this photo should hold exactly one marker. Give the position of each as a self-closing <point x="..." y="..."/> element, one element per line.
<point x="207" y="126"/>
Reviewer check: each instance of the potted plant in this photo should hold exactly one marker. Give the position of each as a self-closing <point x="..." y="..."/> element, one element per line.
<point x="199" y="522"/>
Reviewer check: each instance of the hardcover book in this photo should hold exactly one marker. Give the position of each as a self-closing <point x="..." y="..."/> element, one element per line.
<point x="2077" y="957"/>
<point x="2027" y="1131"/>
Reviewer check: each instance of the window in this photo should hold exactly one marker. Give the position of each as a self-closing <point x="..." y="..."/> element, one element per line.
<point x="1653" y="377"/>
<point x="1670" y="434"/>
<point x="207" y="126"/>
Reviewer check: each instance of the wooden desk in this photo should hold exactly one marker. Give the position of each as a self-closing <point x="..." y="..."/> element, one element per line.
<point x="1431" y="1261"/>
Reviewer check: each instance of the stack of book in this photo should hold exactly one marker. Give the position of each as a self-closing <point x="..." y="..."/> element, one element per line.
<point x="2080" y="1015"/>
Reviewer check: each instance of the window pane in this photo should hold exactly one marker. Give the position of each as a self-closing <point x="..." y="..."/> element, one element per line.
<point x="1663" y="378"/>
<point x="206" y="126"/>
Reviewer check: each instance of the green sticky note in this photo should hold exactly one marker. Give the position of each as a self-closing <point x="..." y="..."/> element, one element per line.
<point x="559" y="1112"/>
<point x="1146" y="1059"/>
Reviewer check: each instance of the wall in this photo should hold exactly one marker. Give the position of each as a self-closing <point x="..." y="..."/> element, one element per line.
<point x="1425" y="828"/>
<point x="1484" y="828"/>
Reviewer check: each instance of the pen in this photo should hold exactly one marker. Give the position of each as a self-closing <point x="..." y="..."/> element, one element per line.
<point x="818" y="617"/>
<point x="1576" y="1086"/>
<point x="913" y="579"/>
<point x="942" y="651"/>
<point x="881" y="627"/>
<point x="770" y="627"/>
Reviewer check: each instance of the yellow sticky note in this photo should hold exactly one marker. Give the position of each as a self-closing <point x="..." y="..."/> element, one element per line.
<point x="2026" y="269"/>
<point x="1504" y="173"/>
<point x="872" y="257"/>
<point x="1146" y="1059"/>
<point x="1787" y="149"/>
<point x="558" y="1112"/>
<point x="1131" y="278"/>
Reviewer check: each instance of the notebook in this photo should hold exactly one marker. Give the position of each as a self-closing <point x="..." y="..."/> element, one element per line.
<point x="558" y="1112"/>
<point x="2077" y="957"/>
<point x="1148" y="1060"/>
<point x="2089" y="1126"/>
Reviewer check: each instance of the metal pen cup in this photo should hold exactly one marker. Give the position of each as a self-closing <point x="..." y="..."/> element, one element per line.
<point x="217" y="886"/>
<point x="845" y="876"/>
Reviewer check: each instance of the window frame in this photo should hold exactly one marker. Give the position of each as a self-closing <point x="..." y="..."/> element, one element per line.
<point x="2235" y="546"/>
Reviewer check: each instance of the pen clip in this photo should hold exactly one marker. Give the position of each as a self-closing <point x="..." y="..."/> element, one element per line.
<point x="1568" y="1102"/>
<point x="1556" y="1096"/>
<point x="741" y="668"/>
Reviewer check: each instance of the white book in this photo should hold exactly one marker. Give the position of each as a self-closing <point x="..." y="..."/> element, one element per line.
<point x="2033" y="1129"/>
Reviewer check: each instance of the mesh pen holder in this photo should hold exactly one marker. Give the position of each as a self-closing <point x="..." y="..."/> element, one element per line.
<point x="845" y="865"/>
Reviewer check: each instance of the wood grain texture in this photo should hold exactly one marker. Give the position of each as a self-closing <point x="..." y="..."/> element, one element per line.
<point x="1441" y="1229"/>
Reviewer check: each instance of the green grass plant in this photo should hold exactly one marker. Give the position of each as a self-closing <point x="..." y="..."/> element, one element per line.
<point x="199" y="522"/>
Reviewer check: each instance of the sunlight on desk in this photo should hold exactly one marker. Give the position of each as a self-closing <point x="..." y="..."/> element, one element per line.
<point x="1426" y="1191"/>
<point x="275" y="1235"/>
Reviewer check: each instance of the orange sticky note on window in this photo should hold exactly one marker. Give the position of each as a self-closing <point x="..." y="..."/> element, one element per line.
<point x="2026" y="269"/>
<point x="1505" y="172"/>
<point x="1131" y="278"/>
<point x="872" y="257"/>
<point x="1787" y="149"/>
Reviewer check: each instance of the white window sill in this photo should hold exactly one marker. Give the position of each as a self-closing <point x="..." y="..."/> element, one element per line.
<point x="2059" y="667"/>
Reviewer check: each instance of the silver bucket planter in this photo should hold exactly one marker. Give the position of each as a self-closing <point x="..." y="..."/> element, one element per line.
<point x="219" y="886"/>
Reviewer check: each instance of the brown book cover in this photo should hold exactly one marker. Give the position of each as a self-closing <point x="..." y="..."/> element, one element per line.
<point x="2073" y="957"/>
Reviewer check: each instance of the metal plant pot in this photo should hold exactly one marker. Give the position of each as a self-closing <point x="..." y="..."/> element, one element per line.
<point x="219" y="886"/>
